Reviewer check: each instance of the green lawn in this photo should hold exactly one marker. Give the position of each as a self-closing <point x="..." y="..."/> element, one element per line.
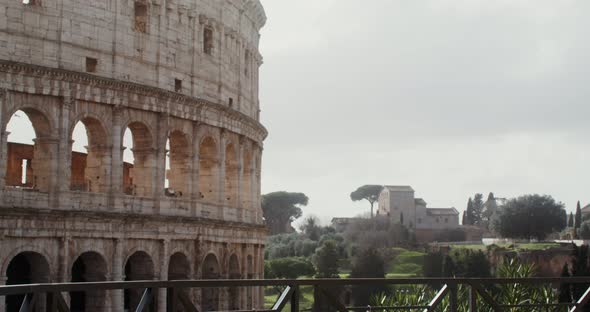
<point x="407" y="264"/>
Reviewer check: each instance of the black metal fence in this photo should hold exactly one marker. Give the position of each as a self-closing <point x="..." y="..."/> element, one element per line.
<point x="179" y="300"/>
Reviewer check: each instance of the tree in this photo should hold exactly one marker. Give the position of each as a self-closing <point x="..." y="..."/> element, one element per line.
<point x="565" y="290"/>
<point x="311" y="228"/>
<point x="368" y="264"/>
<point x="464" y="218"/>
<point x="478" y="206"/>
<point x="578" y="219"/>
<point x="469" y="214"/>
<point x="570" y="221"/>
<point x="282" y="208"/>
<point x="325" y="260"/>
<point x="490" y="207"/>
<point x="288" y="268"/>
<point x="369" y="193"/>
<point x="585" y="231"/>
<point x="530" y="216"/>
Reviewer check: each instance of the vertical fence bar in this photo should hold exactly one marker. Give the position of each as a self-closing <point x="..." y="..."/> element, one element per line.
<point x="295" y="299"/>
<point x="472" y="299"/>
<point x="453" y="305"/>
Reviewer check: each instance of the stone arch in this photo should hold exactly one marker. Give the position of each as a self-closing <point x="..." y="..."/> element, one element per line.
<point x="138" y="266"/>
<point x="139" y="179"/>
<point x="90" y="173"/>
<point x="23" y="249"/>
<point x="39" y="158"/>
<point x="232" y="174"/>
<point x="27" y="267"/>
<point x="90" y="266"/>
<point x="234" y="273"/>
<point x="180" y="163"/>
<point x="208" y="170"/>
<point x="210" y="270"/>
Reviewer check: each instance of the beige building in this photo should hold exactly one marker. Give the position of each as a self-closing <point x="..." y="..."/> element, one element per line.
<point x="177" y="73"/>
<point x="400" y="204"/>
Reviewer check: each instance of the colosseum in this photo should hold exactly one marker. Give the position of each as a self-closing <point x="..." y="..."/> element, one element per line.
<point x="180" y="77"/>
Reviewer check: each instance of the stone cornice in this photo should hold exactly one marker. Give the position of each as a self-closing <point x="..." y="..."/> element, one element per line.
<point x="166" y="98"/>
<point x="124" y="218"/>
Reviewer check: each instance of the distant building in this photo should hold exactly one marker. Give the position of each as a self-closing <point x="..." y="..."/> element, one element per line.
<point x="586" y="210"/>
<point x="400" y="204"/>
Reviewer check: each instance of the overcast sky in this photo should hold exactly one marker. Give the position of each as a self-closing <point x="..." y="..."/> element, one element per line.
<point x="450" y="97"/>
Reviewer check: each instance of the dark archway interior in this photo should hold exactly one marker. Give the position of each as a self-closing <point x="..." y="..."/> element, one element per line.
<point x="139" y="267"/>
<point x="178" y="269"/>
<point x="234" y="292"/>
<point x="210" y="297"/>
<point x="26" y="268"/>
<point x="89" y="267"/>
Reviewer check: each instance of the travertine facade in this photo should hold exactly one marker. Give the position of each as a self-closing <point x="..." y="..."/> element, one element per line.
<point x="183" y="71"/>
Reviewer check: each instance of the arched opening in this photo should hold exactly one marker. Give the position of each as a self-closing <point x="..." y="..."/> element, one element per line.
<point x="27" y="268"/>
<point x="88" y="267"/>
<point x="178" y="164"/>
<point x="249" y="275"/>
<point x="234" y="292"/>
<point x="139" y="156"/>
<point x="178" y="269"/>
<point x="231" y="176"/>
<point x="139" y="267"/>
<point x="208" y="171"/>
<point x="210" y="296"/>
<point x="90" y="157"/>
<point x="248" y="173"/>
<point x="30" y="150"/>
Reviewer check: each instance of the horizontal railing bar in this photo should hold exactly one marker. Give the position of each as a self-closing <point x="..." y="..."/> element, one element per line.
<point x="409" y="307"/>
<point x="110" y="285"/>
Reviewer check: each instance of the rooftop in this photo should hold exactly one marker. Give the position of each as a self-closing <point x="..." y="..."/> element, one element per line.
<point x="399" y="188"/>
<point x="442" y="211"/>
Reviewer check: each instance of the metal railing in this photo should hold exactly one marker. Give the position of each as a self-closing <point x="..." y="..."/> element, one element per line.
<point x="478" y="288"/>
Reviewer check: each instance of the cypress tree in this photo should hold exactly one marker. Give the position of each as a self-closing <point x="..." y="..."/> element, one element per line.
<point x="469" y="215"/>
<point x="570" y="221"/>
<point x="578" y="220"/>
<point x="565" y="290"/>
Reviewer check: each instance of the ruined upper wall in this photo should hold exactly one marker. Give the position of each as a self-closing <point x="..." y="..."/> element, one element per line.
<point x="202" y="48"/>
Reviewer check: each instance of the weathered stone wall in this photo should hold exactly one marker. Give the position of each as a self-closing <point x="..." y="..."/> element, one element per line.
<point x="64" y="33"/>
<point x="178" y="70"/>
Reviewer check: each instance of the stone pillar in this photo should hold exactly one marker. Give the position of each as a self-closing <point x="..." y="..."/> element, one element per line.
<point x="98" y="166"/>
<point x="194" y="173"/>
<point x="64" y="256"/>
<point x="117" y="275"/>
<point x="257" y="186"/>
<point x="116" y="168"/>
<point x="3" y="280"/>
<point x="160" y="159"/>
<point x="65" y="145"/>
<point x="221" y="169"/>
<point x="240" y="187"/>
<point x="64" y="274"/>
<point x="164" y="258"/>
<point x="3" y="141"/>
<point x="260" y="275"/>
<point x="44" y="165"/>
